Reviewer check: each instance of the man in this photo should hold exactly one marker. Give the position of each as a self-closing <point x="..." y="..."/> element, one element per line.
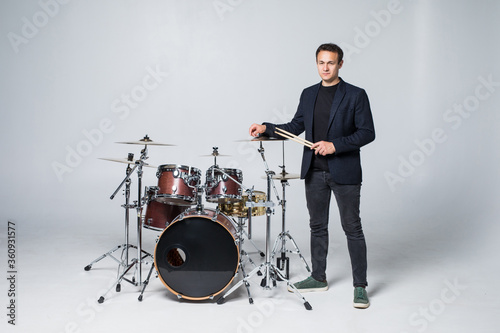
<point x="336" y="117"/>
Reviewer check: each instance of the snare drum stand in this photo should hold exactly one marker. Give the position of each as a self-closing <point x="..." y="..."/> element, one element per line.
<point x="270" y="271"/>
<point x="136" y="262"/>
<point x="243" y="254"/>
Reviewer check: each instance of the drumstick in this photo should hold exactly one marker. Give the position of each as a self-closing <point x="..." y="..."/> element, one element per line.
<point x="293" y="137"/>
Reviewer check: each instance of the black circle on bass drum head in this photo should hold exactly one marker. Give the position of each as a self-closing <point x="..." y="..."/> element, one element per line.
<point x="196" y="257"/>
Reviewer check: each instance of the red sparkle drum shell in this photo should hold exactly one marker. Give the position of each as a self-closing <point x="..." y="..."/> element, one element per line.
<point x="177" y="184"/>
<point x="159" y="215"/>
<point x="222" y="189"/>
<point x="197" y="255"/>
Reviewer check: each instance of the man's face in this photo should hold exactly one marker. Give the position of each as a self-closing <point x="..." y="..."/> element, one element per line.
<point x="328" y="67"/>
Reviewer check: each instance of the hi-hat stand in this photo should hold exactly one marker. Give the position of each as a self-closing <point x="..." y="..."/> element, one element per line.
<point x="283" y="262"/>
<point x="271" y="272"/>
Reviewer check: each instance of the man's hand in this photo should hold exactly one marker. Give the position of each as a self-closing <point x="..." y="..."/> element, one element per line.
<point x="256" y="129"/>
<point x="323" y="148"/>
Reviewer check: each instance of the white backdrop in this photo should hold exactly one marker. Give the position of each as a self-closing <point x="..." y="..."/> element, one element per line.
<point x="78" y="76"/>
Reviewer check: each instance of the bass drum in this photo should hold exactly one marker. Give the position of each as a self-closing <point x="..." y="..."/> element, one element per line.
<point x="197" y="255"/>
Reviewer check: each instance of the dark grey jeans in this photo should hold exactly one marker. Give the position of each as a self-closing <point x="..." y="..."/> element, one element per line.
<point x="319" y="188"/>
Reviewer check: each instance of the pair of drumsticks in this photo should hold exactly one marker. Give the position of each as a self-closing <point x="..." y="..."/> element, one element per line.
<point x="293" y="137"/>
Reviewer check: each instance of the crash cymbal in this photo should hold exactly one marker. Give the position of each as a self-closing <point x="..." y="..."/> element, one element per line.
<point x="125" y="161"/>
<point x="284" y="176"/>
<point x="145" y="141"/>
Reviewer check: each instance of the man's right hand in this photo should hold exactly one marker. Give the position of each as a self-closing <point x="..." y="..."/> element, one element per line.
<point x="257" y="129"/>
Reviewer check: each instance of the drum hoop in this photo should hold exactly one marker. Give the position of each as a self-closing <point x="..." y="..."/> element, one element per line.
<point x="175" y="196"/>
<point x="181" y="217"/>
<point x="223" y="196"/>
<point x="166" y="167"/>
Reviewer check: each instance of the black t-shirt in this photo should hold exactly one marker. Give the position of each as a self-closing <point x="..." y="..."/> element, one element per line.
<point x="321" y="118"/>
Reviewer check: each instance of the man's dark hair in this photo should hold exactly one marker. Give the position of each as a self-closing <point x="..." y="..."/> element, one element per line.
<point x="331" y="48"/>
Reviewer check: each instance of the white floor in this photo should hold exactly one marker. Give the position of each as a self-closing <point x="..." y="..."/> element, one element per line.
<point x="432" y="282"/>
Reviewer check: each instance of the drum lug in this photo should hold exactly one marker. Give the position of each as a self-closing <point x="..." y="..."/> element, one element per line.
<point x="174" y="189"/>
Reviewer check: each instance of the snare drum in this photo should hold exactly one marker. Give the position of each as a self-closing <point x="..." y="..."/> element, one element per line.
<point x="223" y="185"/>
<point x="177" y="184"/>
<point x="197" y="255"/>
<point x="239" y="208"/>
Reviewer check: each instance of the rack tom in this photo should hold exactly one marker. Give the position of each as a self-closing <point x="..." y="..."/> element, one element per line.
<point x="223" y="185"/>
<point x="177" y="184"/>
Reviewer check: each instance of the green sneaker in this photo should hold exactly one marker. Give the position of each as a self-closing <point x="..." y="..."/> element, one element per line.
<point x="308" y="285"/>
<point x="360" y="298"/>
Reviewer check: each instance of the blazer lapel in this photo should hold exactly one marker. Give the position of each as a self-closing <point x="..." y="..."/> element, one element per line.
<point x="309" y="116"/>
<point x="339" y="96"/>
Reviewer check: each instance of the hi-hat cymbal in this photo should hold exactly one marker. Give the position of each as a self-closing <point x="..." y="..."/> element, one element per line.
<point x="145" y="141"/>
<point x="262" y="138"/>
<point x="269" y="138"/>
<point x="284" y="176"/>
<point x="125" y="161"/>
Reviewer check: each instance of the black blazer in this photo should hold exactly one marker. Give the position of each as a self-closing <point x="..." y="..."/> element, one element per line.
<point x="350" y="128"/>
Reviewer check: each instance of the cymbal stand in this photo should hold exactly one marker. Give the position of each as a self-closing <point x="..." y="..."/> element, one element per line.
<point x="270" y="271"/>
<point x="127" y="181"/>
<point x="283" y="262"/>
<point x="141" y="254"/>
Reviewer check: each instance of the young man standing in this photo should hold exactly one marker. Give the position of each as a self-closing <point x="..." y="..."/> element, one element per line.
<point x="336" y="117"/>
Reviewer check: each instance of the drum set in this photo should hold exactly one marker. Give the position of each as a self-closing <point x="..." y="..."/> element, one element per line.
<point x="199" y="251"/>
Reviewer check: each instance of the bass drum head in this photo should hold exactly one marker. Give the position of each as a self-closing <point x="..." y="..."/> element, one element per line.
<point x="196" y="258"/>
